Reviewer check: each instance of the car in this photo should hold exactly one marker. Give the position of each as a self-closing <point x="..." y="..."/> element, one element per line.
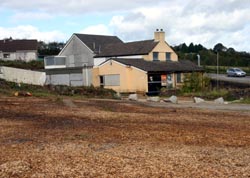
<point x="235" y="72"/>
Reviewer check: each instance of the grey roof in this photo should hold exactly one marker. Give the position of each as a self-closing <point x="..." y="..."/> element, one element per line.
<point x="128" y="49"/>
<point x="97" y="42"/>
<point x="9" y="45"/>
<point x="157" y="66"/>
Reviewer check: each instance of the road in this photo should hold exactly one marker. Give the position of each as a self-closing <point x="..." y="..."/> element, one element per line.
<point x="223" y="77"/>
<point x="207" y="105"/>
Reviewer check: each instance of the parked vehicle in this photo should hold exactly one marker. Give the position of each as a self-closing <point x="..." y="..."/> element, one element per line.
<point x="235" y="72"/>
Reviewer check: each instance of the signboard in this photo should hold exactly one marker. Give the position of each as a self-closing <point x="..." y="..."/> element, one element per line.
<point x="163" y="80"/>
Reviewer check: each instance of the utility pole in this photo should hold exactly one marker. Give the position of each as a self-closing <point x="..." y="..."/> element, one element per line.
<point x="199" y="60"/>
<point x="217" y="82"/>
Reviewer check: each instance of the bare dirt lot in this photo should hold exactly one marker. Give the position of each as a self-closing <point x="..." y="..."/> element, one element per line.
<point x="101" y="138"/>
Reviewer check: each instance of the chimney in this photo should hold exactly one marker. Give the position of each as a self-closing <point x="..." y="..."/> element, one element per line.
<point x="159" y="35"/>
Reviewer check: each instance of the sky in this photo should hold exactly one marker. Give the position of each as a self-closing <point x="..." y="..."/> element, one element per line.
<point x="205" y="22"/>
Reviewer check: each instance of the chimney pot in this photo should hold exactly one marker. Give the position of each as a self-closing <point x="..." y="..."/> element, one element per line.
<point x="159" y="35"/>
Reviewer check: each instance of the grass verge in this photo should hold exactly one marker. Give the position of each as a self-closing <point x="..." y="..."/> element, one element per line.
<point x="10" y="88"/>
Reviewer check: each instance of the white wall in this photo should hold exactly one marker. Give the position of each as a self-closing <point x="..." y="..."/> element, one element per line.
<point x="77" y="53"/>
<point x="26" y="55"/>
<point x="98" y="61"/>
<point x="20" y="55"/>
<point x="22" y="76"/>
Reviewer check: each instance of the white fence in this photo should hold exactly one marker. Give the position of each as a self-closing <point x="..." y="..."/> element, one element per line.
<point x="22" y="76"/>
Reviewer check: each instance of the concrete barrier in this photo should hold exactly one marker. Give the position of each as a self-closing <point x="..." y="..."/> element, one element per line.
<point x="22" y="76"/>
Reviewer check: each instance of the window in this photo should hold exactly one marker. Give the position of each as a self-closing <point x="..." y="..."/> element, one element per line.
<point x="110" y="80"/>
<point x="168" y="56"/>
<point x="169" y="77"/>
<point x="7" y="55"/>
<point x="49" y="61"/>
<point x="52" y="60"/>
<point x="169" y="81"/>
<point x="155" y="56"/>
<point x="179" y="78"/>
<point x="60" y="60"/>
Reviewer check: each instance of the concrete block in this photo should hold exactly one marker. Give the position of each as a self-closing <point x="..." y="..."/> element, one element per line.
<point x="219" y="100"/>
<point x="172" y="99"/>
<point x="198" y="100"/>
<point x="133" y="97"/>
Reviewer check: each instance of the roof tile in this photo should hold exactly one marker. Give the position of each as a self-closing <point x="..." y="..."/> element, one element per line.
<point x="97" y="42"/>
<point x="128" y="49"/>
<point x="10" y="45"/>
<point x="158" y="66"/>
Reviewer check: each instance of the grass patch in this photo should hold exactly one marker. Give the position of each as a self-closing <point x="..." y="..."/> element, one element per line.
<point x="9" y="88"/>
<point x="245" y="101"/>
<point x="211" y="95"/>
<point x="32" y="65"/>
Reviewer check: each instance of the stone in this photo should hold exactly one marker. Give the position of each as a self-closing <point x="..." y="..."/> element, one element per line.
<point x="154" y="99"/>
<point x="198" y="100"/>
<point x="219" y="100"/>
<point x="133" y="97"/>
<point x="172" y="99"/>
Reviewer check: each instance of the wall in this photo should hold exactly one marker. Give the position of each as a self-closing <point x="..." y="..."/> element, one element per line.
<point x="26" y="55"/>
<point x="20" y="55"/>
<point x="131" y="79"/>
<point x="77" y="53"/>
<point x="87" y="76"/>
<point x="22" y="76"/>
<point x="162" y="48"/>
<point x="69" y="76"/>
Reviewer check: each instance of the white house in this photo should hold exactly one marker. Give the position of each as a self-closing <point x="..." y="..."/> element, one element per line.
<point x="25" y="50"/>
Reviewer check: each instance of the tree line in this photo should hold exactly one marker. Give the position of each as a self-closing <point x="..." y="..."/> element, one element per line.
<point x="226" y="56"/>
<point x="49" y="49"/>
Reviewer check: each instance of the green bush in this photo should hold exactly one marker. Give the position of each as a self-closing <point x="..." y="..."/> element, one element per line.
<point x="8" y="88"/>
<point x="195" y="82"/>
<point x="32" y="65"/>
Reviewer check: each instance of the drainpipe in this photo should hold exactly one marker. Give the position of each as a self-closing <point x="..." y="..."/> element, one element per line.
<point x="87" y="77"/>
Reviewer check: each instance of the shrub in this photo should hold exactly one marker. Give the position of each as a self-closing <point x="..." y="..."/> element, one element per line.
<point x="195" y="82"/>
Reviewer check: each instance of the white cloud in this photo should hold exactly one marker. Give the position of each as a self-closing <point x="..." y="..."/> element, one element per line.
<point x="198" y="22"/>
<point x="99" y="29"/>
<point x="205" y="22"/>
<point x="30" y="32"/>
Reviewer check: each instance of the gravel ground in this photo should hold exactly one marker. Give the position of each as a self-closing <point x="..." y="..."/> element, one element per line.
<point x="101" y="138"/>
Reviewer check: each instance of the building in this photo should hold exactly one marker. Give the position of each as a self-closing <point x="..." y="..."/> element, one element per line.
<point x="156" y="49"/>
<point x="73" y="66"/>
<point x="25" y="50"/>
<point x="106" y="61"/>
<point x="142" y="66"/>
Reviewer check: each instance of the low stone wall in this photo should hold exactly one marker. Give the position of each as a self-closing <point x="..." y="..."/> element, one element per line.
<point x="22" y="76"/>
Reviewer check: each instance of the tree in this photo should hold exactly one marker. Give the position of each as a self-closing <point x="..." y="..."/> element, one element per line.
<point x="191" y="48"/>
<point x="219" y="47"/>
<point x="47" y="49"/>
<point x="231" y="50"/>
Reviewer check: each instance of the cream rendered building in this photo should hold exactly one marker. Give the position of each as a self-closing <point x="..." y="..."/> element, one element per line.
<point x="142" y="66"/>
